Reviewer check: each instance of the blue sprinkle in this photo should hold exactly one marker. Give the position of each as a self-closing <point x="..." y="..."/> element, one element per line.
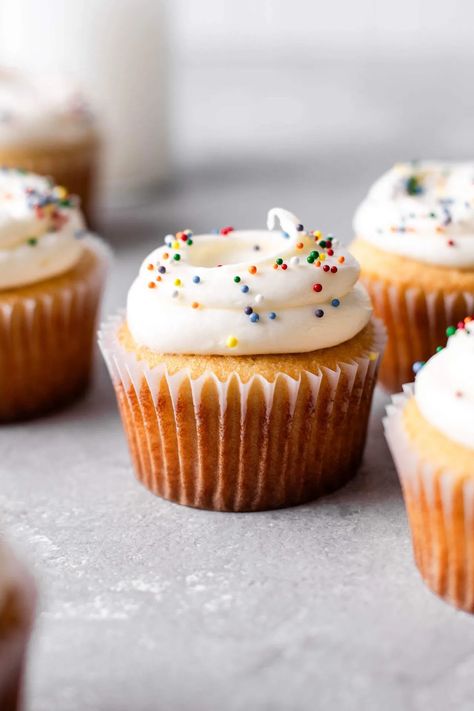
<point x="80" y="233"/>
<point x="272" y="315"/>
<point x="335" y="302"/>
<point x="244" y="288"/>
<point x="417" y="366"/>
<point x="254" y="317"/>
<point x="196" y="279"/>
<point x="248" y="310"/>
<point x="300" y="228"/>
<point x="257" y="247"/>
<point x="286" y="235"/>
<point x="319" y="313"/>
<point x="162" y="270"/>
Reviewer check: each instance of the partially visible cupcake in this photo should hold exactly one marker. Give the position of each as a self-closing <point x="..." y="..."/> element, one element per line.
<point x="415" y="243"/>
<point x="17" y="605"/>
<point x="430" y="431"/>
<point x="51" y="278"/>
<point x="245" y="367"/>
<point x="46" y="128"/>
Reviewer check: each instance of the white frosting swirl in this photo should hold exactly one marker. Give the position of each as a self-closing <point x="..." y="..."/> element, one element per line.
<point x="247" y="292"/>
<point x="40" y="109"/>
<point x="444" y="388"/>
<point x="38" y="229"/>
<point x="423" y="211"/>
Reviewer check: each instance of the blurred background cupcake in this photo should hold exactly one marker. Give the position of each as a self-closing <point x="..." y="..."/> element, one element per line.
<point x="46" y="128"/>
<point x="245" y="368"/>
<point x="17" y="604"/>
<point x="51" y="278"/>
<point x="415" y="243"/>
<point x="430" y="431"/>
<point x="111" y="54"/>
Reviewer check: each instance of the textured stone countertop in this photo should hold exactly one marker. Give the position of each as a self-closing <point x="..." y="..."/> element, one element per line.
<point x="148" y="606"/>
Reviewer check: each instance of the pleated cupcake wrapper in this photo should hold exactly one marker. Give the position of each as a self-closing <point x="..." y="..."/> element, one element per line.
<point x="46" y="343"/>
<point x="14" y="639"/>
<point x="416" y="322"/>
<point x="440" y="508"/>
<point x="242" y="446"/>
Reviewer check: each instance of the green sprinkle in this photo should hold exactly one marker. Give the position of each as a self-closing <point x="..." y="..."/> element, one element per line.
<point x="439" y="348"/>
<point x="177" y="257"/>
<point x="236" y="279"/>
<point x="310" y="259"/>
<point x="279" y="261"/>
<point x="32" y="241"/>
<point x="450" y="331"/>
<point x="65" y="203"/>
<point x="314" y="254"/>
<point x="189" y="242"/>
<point x="322" y="243"/>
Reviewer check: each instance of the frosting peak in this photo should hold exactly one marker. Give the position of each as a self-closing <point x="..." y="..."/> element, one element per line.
<point x="39" y="224"/>
<point x="423" y="211"/>
<point x="247" y="292"/>
<point x="444" y="386"/>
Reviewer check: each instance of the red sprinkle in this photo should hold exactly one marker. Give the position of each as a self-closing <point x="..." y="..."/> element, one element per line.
<point x="317" y="287"/>
<point x="225" y="230"/>
<point x="330" y="252"/>
<point x="333" y="270"/>
<point x="284" y="266"/>
<point x="326" y="268"/>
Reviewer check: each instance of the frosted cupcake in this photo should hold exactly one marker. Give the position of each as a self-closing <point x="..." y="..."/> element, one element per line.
<point x="430" y="430"/>
<point x="46" y="128"/>
<point x="17" y="603"/>
<point x="245" y="366"/>
<point x="51" y="277"/>
<point x="415" y="244"/>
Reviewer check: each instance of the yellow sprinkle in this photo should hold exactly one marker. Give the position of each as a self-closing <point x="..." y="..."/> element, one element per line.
<point x="317" y="233"/>
<point x="60" y="192"/>
<point x="322" y="257"/>
<point x="231" y="342"/>
<point x="177" y="282"/>
<point x="373" y="356"/>
<point x="175" y="245"/>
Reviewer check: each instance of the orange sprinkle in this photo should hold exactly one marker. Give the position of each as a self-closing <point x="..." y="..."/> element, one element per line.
<point x="151" y="285"/>
<point x="195" y="305"/>
<point x="166" y="255"/>
<point x="440" y="229"/>
<point x="341" y="260"/>
<point x="158" y="278"/>
<point x="253" y="270"/>
<point x="317" y="264"/>
<point x="150" y="266"/>
<point x="275" y="266"/>
<point x="299" y="245"/>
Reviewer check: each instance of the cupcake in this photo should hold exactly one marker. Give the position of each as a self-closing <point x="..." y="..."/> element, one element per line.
<point x="51" y="277"/>
<point x="430" y="431"/>
<point x="415" y="244"/>
<point x="245" y="366"/>
<point x="17" y="603"/>
<point x="46" y="128"/>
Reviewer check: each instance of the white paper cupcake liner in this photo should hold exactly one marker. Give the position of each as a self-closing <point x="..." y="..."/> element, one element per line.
<point x="440" y="508"/>
<point x="416" y="322"/>
<point x="242" y="446"/>
<point x="46" y="341"/>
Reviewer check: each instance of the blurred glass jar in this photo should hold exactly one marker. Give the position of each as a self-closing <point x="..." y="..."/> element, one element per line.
<point x="116" y="52"/>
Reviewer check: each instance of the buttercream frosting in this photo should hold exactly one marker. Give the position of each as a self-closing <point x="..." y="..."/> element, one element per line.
<point x="39" y="226"/>
<point x="247" y="292"/>
<point x="423" y="211"/>
<point x="38" y="109"/>
<point x="444" y="387"/>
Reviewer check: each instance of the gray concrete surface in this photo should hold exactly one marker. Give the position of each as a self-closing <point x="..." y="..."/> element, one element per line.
<point x="147" y="606"/>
